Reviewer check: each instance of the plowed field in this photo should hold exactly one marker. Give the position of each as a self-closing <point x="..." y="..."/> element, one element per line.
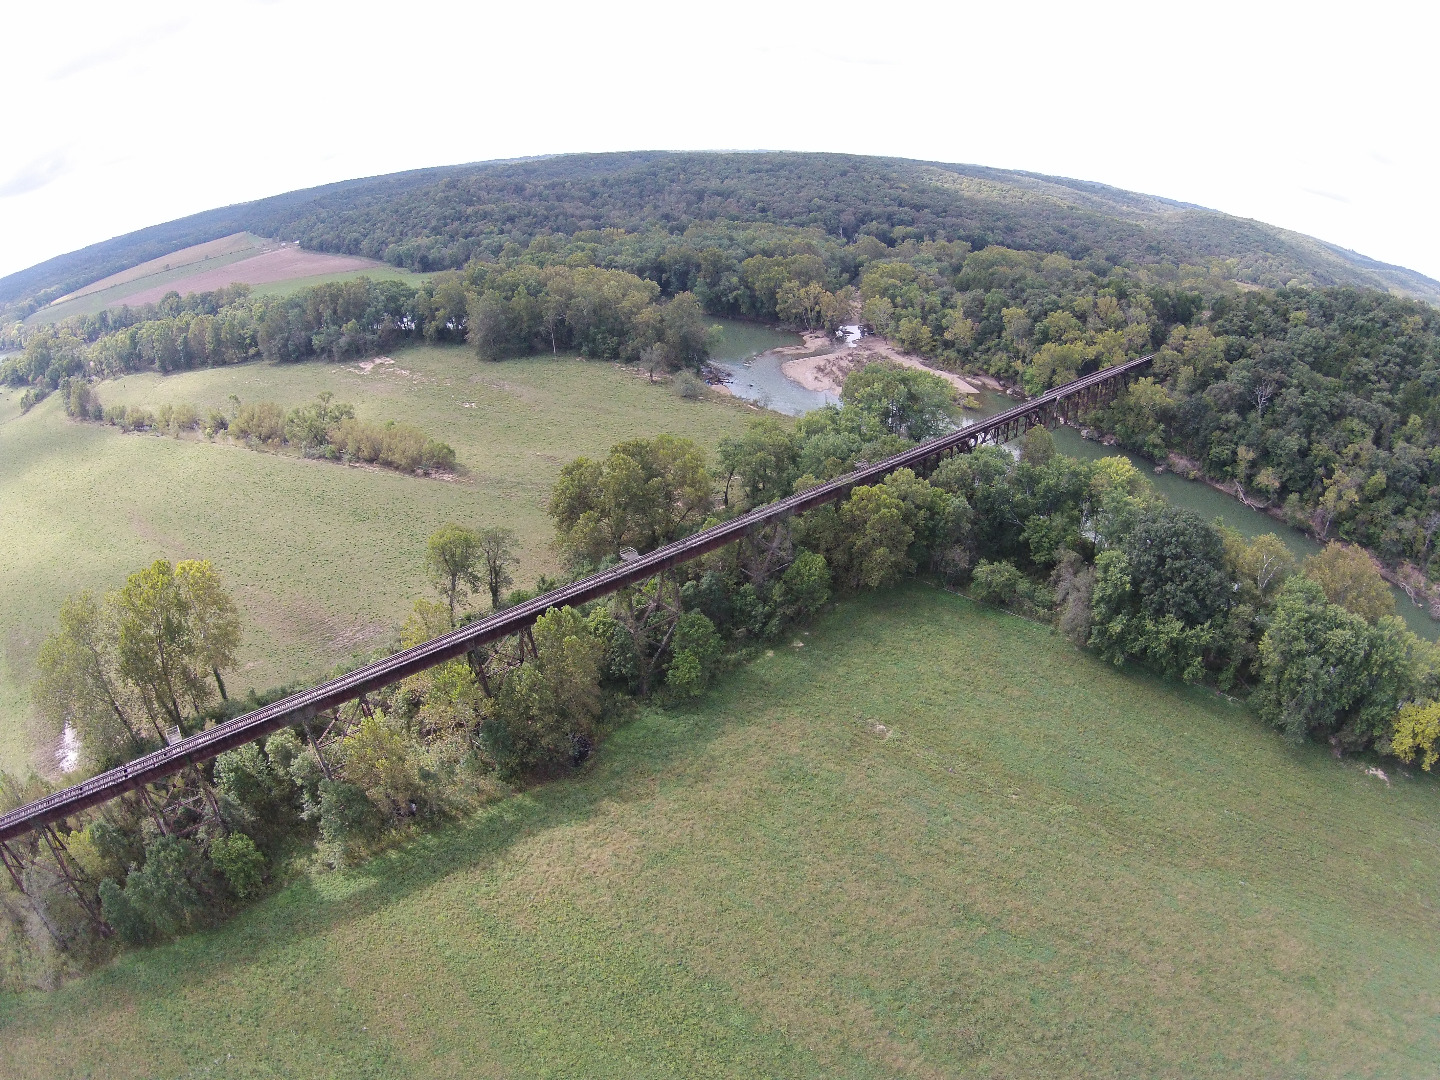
<point x="282" y="264"/>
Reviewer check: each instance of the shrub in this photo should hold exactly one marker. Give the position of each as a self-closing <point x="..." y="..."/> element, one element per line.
<point x="260" y="421"/>
<point x="397" y="446"/>
<point x="696" y="649"/>
<point x="688" y="386"/>
<point x="185" y="418"/>
<point x="438" y="456"/>
<point x="1417" y="733"/>
<point x="996" y="583"/>
<point x="237" y="858"/>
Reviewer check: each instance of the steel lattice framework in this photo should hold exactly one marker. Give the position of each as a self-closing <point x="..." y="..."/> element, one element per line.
<point x="1064" y="403"/>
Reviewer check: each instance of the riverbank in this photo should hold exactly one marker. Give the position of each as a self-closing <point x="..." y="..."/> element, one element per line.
<point x="821" y="364"/>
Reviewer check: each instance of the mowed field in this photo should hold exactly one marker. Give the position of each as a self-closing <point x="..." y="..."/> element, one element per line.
<point x="927" y="839"/>
<point x="268" y="265"/>
<point x="325" y="560"/>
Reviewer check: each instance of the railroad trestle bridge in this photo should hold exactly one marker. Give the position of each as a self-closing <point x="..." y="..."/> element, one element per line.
<point x="1064" y="404"/>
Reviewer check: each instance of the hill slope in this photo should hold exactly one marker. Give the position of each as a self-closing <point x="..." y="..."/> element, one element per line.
<point x="438" y="218"/>
<point x="1037" y="866"/>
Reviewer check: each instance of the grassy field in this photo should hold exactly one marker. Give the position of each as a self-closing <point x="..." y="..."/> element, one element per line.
<point x="324" y="560"/>
<point x="193" y="270"/>
<point x="932" y="840"/>
<point x="378" y="273"/>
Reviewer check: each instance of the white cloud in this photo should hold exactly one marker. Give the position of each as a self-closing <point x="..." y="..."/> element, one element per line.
<point x="33" y="175"/>
<point x="1311" y="118"/>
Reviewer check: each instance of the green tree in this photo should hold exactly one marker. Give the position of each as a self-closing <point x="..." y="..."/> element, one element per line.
<point x="876" y="541"/>
<point x="498" y="547"/>
<point x="544" y="712"/>
<point x="176" y="631"/>
<point x="453" y="557"/>
<point x="903" y="400"/>
<point x="1138" y="417"/>
<point x="240" y="861"/>
<point x="1162" y="596"/>
<point x="688" y="340"/>
<point x="696" y="650"/>
<point x="1326" y="671"/>
<point x="1351" y="579"/>
<point x="80" y="684"/>
<point x="162" y="898"/>
<point x="646" y="493"/>
<point x="764" y="460"/>
<point x="1263" y="564"/>
<point x="1417" y="733"/>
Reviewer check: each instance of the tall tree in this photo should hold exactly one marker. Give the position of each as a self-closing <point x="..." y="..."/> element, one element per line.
<point x="1351" y="579"/>
<point x="80" y="685"/>
<point x="497" y="548"/>
<point x="452" y="558"/>
<point x="905" y="401"/>
<point x="176" y="630"/>
<point x="646" y="493"/>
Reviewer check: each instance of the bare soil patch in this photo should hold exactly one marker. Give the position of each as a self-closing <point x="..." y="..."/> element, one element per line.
<point x="212" y="249"/>
<point x="282" y="264"/>
<point x="825" y="372"/>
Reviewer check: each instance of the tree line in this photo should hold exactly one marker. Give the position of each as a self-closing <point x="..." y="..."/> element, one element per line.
<point x="1088" y="546"/>
<point x="1315" y="403"/>
<point x="323" y="428"/>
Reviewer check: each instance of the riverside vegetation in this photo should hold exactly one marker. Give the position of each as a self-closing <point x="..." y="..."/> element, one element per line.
<point x="1315" y="402"/>
<point x="1084" y="545"/>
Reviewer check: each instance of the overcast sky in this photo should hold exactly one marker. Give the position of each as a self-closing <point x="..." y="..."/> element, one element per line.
<point x="1317" y="118"/>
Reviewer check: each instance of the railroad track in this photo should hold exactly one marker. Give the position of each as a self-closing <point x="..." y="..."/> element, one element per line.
<point x="1061" y="402"/>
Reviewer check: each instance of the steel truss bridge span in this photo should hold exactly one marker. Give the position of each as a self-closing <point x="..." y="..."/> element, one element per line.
<point x="1056" y="406"/>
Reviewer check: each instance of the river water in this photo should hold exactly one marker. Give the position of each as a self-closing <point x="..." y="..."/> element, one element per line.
<point x="753" y="371"/>
<point x="756" y="376"/>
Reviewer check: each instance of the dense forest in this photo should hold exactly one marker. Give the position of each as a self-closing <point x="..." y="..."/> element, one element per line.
<point x="443" y="218"/>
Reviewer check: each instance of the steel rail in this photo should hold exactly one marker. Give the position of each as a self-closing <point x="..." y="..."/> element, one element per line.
<point x="307" y="703"/>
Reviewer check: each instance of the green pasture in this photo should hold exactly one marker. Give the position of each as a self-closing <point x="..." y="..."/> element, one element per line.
<point x="324" y="559"/>
<point x="374" y="273"/>
<point x="928" y="839"/>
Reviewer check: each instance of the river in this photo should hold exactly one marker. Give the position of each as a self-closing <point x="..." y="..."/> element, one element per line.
<point x="756" y="376"/>
<point x="754" y="373"/>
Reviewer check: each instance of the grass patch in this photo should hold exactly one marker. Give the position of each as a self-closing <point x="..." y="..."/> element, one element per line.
<point x="374" y="273"/>
<point x="927" y="839"/>
<point x="324" y="559"/>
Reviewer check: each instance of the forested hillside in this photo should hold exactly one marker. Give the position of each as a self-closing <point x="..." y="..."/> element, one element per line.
<point x="442" y="218"/>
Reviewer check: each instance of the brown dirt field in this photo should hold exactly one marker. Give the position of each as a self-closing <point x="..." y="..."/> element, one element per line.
<point x="281" y="264"/>
<point x="213" y="249"/>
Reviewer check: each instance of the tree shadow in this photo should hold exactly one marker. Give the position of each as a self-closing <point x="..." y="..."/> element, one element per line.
<point x="651" y="743"/>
